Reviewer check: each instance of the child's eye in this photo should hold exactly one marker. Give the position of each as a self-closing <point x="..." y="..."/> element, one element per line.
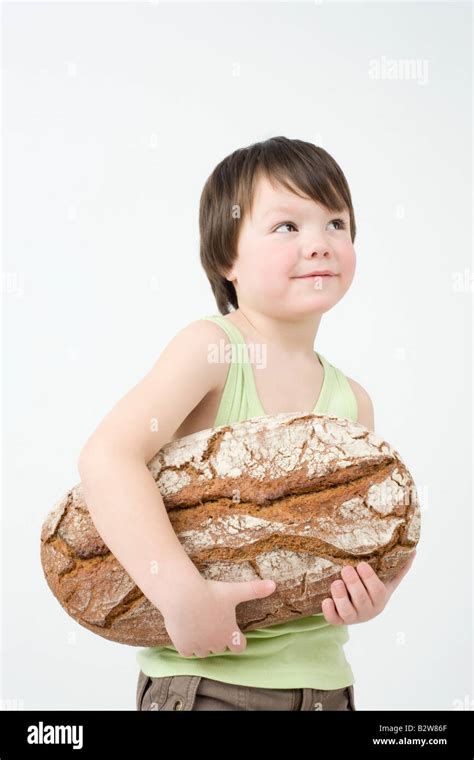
<point x="338" y="221"/>
<point x="285" y="224"/>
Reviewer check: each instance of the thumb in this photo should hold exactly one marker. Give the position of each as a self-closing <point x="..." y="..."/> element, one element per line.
<point x="246" y="590"/>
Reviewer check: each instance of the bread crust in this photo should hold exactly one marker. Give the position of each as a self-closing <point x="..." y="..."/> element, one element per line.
<point x="292" y="497"/>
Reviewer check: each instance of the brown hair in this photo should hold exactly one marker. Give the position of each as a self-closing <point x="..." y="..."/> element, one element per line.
<point x="228" y="193"/>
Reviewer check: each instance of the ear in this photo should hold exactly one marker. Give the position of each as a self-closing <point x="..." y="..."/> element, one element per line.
<point x="229" y="275"/>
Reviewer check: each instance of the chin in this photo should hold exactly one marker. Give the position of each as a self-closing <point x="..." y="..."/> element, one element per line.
<point x="314" y="305"/>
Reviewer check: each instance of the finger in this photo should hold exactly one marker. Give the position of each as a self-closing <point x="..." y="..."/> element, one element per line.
<point x="343" y="604"/>
<point x="357" y="592"/>
<point x="330" y="613"/>
<point x="375" y="587"/>
<point x="245" y="591"/>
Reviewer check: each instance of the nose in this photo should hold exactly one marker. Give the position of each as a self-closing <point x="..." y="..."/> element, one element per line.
<point x="317" y="248"/>
<point x="316" y="252"/>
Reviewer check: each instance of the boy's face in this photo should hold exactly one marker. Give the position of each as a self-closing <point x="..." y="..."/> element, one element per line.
<point x="276" y="247"/>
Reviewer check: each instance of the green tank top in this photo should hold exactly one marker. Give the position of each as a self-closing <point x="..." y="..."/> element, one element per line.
<point x="304" y="653"/>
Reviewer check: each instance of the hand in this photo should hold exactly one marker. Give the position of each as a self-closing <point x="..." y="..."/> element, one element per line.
<point x="367" y="595"/>
<point x="200" y="617"/>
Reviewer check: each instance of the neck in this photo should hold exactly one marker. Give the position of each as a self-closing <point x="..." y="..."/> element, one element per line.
<point x="294" y="338"/>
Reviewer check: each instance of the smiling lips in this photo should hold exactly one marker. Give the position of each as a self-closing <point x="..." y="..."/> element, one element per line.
<point x="324" y="273"/>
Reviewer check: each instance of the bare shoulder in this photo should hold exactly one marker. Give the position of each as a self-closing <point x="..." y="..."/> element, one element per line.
<point x="204" y="329"/>
<point x="364" y="404"/>
<point x="148" y="415"/>
<point x="195" y="344"/>
<point x="207" y="338"/>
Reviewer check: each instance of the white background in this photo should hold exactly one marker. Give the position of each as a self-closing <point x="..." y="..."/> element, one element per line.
<point x="114" y="115"/>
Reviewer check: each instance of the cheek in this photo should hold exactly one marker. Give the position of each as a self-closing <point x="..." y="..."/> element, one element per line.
<point x="347" y="261"/>
<point x="273" y="265"/>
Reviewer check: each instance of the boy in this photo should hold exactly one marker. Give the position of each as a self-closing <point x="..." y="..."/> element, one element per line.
<point x="278" y="283"/>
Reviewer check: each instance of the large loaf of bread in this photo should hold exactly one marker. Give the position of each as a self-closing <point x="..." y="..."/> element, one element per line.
<point x="292" y="497"/>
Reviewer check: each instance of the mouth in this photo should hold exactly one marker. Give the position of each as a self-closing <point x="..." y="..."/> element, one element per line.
<point x="312" y="276"/>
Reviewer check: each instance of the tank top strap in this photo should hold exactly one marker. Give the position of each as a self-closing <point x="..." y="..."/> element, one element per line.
<point x="239" y="399"/>
<point x="233" y="333"/>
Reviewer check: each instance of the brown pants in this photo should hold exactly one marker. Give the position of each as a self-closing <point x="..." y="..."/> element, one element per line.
<point x="200" y="693"/>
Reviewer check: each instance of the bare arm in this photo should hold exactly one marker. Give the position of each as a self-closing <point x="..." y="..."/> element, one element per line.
<point x="121" y="494"/>
<point x="128" y="511"/>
